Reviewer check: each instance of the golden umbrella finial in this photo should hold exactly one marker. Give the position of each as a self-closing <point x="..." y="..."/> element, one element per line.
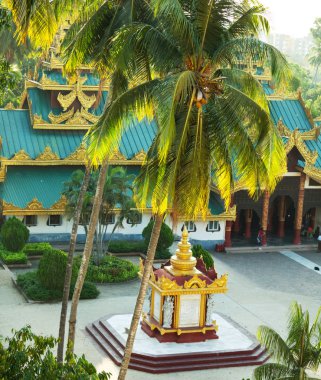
<point x="183" y="262"/>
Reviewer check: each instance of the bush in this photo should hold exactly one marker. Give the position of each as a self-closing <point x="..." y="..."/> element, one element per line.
<point x="199" y="251"/>
<point x="112" y="269"/>
<point x="36" y="249"/>
<point x="28" y="356"/>
<point x="52" y="269"/>
<point x="166" y="239"/>
<point x="34" y="290"/>
<point x="14" y="235"/>
<point x="125" y="246"/>
<point x="12" y="257"/>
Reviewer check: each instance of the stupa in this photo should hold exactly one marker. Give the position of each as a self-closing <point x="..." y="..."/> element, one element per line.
<point x="182" y="298"/>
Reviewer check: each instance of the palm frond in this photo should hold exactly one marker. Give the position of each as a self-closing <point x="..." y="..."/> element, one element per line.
<point x="276" y="346"/>
<point x="271" y="371"/>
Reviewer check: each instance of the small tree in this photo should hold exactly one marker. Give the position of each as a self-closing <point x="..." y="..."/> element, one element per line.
<point x="117" y="204"/>
<point x="28" y="356"/>
<point x="200" y="252"/>
<point x="165" y="240"/>
<point x="299" y="352"/>
<point x="14" y="235"/>
<point x="52" y="268"/>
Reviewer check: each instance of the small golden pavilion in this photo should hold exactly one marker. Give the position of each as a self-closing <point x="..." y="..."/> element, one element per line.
<point x="182" y="298"/>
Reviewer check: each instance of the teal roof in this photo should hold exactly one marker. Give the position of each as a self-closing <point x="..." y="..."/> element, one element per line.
<point x="291" y="113"/>
<point x="41" y="103"/>
<point x="56" y="75"/>
<point x="24" y="183"/>
<point x="216" y="204"/>
<point x="17" y="133"/>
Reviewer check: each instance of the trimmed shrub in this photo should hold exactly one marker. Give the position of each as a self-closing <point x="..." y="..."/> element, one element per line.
<point x="36" y="249"/>
<point x="14" y="235"/>
<point x="35" y="291"/>
<point x="52" y="269"/>
<point x="166" y="239"/>
<point x="199" y="251"/>
<point x="112" y="269"/>
<point x="125" y="246"/>
<point x="12" y="257"/>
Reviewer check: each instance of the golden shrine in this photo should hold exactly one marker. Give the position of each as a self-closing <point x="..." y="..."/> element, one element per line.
<point x="182" y="298"/>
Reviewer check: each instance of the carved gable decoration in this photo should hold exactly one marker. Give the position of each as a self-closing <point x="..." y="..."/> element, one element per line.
<point x="194" y="282"/>
<point x="78" y="155"/>
<point x="60" y="204"/>
<point x="47" y="155"/>
<point x="140" y="156"/>
<point x="21" y="156"/>
<point x="117" y="156"/>
<point x="297" y="141"/>
<point x="34" y="205"/>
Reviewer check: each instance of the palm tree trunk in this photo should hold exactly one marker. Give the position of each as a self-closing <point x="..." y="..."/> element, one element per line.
<point x="86" y="255"/>
<point x="141" y="295"/>
<point x="68" y="275"/>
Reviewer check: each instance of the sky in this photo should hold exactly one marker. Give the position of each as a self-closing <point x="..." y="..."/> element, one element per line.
<point x="292" y="17"/>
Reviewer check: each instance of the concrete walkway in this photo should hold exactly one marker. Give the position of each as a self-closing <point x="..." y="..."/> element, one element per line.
<point x="261" y="288"/>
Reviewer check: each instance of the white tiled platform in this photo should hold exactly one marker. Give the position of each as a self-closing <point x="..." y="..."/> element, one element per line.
<point x="231" y="338"/>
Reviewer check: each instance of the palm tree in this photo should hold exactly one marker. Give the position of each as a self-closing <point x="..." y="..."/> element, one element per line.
<point x="213" y="117"/>
<point x="300" y="351"/>
<point x="68" y="275"/>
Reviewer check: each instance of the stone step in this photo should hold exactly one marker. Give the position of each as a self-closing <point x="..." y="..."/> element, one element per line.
<point x="292" y="247"/>
<point x="173" y="363"/>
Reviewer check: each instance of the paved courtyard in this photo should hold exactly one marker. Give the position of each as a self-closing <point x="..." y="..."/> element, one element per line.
<point x="261" y="288"/>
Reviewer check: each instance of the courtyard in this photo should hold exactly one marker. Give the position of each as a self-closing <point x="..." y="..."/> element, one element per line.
<point x="261" y="289"/>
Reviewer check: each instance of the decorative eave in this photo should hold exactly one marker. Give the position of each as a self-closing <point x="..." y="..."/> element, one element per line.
<point x="311" y="134"/>
<point x="230" y="214"/>
<point x="35" y="207"/>
<point x="50" y="158"/>
<point x="312" y="172"/>
<point x="296" y="140"/>
<point x="62" y="87"/>
<point x="195" y="285"/>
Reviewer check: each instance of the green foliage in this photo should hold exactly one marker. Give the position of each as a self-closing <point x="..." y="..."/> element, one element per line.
<point x="112" y="269"/>
<point x="28" y="356"/>
<point x="199" y="251"/>
<point x="14" y="235"/>
<point x="34" y="289"/>
<point x="300" y="351"/>
<point x="166" y="239"/>
<point x="12" y="257"/>
<point x="36" y="249"/>
<point x="126" y="246"/>
<point x="52" y="269"/>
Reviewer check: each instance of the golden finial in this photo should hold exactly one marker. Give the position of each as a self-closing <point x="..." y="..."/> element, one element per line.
<point x="183" y="262"/>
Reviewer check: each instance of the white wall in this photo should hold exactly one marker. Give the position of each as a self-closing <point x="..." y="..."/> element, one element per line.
<point x="200" y="233"/>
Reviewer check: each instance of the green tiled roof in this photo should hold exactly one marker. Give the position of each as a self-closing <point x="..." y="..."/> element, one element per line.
<point x="216" y="204"/>
<point x="17" y="133"/>
<point x="56" y="75"/>
<point x="41" y="103"/>
<point x="291" y="113"/>
<point x="25" y="183"/>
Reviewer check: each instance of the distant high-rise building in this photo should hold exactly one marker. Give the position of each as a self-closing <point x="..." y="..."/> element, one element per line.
<point x="296" y="49"/>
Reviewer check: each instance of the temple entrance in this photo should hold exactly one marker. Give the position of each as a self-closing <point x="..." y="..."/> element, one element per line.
<point x="282" y="217"/>
<point x="245" y="228"/>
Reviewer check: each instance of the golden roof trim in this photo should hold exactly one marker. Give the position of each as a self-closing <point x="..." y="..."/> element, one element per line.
<point x="35" y="207"/>
<point x="47" y="155"/>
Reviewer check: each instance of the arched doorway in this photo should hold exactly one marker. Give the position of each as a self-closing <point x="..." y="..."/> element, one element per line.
<point x="246" y="227"/>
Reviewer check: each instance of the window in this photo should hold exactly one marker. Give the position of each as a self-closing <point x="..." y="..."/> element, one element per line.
<point x="135" y="219"/>
<point x="54" y="220"/>
<point x="191" y="227"/>
<point x="213" y="226"/>
<point x="30" y="220"/>
<point x="110" y="219"/>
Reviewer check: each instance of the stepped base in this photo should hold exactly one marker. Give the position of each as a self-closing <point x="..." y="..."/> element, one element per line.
<point x="235" y="347"/>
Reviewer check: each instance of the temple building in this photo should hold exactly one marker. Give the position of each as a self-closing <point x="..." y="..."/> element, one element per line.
<point x="295" y="205"/>
<point x="41" y="146"/>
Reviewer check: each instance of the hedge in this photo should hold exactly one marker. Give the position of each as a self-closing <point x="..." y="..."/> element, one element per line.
<point x="34" y="290"/>
<point x="11" y="258"/>
<point x="36" y="249"/>
<point x="125" y="246"/>
<point x="166" y="239"/>
<point x="112" y="269"/>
